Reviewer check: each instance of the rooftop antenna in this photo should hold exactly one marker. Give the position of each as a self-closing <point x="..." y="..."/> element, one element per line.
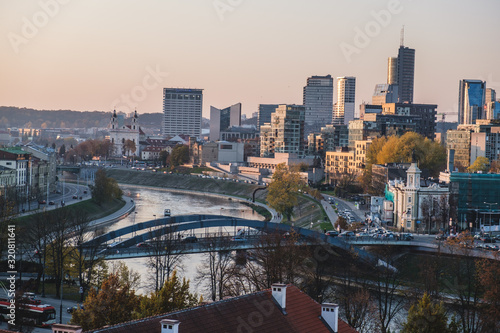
<point x="402" y="39"/>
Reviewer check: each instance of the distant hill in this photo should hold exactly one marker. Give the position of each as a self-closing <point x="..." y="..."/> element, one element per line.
<point x="23" y="117"/>
<point x="11" y="116"/>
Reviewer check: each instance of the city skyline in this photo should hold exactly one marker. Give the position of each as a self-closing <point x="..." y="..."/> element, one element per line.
<point x="92" y="55"/>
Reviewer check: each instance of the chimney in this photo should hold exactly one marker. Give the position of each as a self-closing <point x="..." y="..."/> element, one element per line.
<point x="279" y="294"/>
<point x="169" y="326"/>
<point x="330" y="314"/>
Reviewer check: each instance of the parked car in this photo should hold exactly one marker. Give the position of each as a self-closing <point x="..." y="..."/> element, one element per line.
<point x="190" y="239"/>
<point x="42" y="202"/>
<point x="332" y="233"/>
<point x="52" y="203"/>
<point x="75" y="197"/>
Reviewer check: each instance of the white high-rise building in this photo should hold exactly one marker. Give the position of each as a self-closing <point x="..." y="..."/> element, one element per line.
<point x="343" y="111"/>
<point x="182" y="110"/>
<point x="318" y="102"/>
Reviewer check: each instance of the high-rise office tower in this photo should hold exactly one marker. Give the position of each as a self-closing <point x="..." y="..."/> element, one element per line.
<point x="182" y="109"/>
<point x="471" y="101"/>
<point x="392" y="70"/>
<point x="318" y="102"/>
<point x="223" y="119"/>
<point x="346" y="94"/>
<point x="405" y="74"/>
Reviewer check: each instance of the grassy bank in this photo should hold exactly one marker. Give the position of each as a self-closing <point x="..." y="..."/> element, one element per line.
<point x="87" y="207"/>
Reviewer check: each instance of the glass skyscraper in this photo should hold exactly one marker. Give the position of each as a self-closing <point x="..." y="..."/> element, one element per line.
<point x="471" y="101"/>
<point x="406" y="74"/>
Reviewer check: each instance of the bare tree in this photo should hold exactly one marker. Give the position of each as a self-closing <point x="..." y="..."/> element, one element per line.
<point x="217" y="267"/>
<point x="388" y="298"/>
<point x="165" y="253"/>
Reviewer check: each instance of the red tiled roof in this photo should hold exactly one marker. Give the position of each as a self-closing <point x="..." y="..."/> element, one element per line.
<point x="257" y="312"/>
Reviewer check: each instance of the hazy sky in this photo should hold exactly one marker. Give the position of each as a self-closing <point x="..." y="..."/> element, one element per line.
<point x="96" y="54"/>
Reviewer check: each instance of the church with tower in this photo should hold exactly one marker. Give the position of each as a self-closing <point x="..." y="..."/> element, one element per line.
<point x="119" y="133"/>
<point x="409" y="197"/>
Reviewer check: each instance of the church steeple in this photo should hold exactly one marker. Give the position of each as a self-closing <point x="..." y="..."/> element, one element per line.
<point x="135" y="119"/>
<point x="413" y="176"/>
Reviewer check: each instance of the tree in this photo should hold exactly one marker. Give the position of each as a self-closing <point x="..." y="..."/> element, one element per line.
<point x="341" y="223"/>
<point x="480" y="164"/>
<point x="282" y="195"/>
<point x="104" y="189"/>
<point x="217" y="266"/>
<point x="129" y="147"/>
<point x="174" y="295"/>
<point x="164" y="254"/>
<point x="163" y="157"/>
<point x="180" y="155"/>
<point x="62" y="150"/>
<point x="429" y="318"/>
<point x="114" y="303"/>
<point x="488" y="272"/>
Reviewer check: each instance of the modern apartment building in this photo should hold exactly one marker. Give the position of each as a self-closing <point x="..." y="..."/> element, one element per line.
<point x="182" y="110"/>
<point x="346" y="95"/>
<point x="222" y="119"/>
<point x="264" y="114"/>
<point x="285" y="132"/>
<point x="471" y="101"/>
<point x="318" y="102"/>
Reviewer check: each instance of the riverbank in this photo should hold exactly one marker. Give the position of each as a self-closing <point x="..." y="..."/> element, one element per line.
<point x="306" y="211"/>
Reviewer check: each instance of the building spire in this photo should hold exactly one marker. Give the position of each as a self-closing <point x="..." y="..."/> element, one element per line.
<point x="402" y="37"/>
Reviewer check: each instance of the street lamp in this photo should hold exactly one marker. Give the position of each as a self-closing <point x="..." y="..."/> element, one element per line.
<point x="490" y="204"/>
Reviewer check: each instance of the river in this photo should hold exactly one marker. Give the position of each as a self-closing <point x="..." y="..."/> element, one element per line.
<point x="150" y="203"/>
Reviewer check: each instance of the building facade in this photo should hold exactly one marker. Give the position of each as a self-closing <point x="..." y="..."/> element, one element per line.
<point x="318" y="102"/>
<point x="264" y="114"/>
<point x="222" y="119"/>
<point x="182" y="111"/>
<point x="346" y="95"/>
<point x="471" y="101"/>
<point x="285" y="133"/>
<point x="406" y="74"/>
<point x="119" y="133"/>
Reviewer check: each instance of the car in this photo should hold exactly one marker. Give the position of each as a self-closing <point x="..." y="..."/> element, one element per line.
<point x="42" y="202"/>
<point x="440" y="237"/>
<point x="406" y="237"/>
<point x="143" y="244"/>
<point x="491" y="247"/>
<point x="52" y="203"/>
<point x="487" y="239"/>
<point x="190" y="239"/>
<point x="74" y="308"/>
<point x="332" y="233"/>
<point x="497" y="237"/>
<point x="85" y="192"/>
<point x="363" y="234"/>
<point x="75" y="197"/>
<point x="347" y="234"/>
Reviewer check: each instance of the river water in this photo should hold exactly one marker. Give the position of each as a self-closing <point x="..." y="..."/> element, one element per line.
<point x="150" y="204"/>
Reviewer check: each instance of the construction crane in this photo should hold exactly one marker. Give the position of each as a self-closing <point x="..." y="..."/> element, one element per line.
<point x="443" y="115"/>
